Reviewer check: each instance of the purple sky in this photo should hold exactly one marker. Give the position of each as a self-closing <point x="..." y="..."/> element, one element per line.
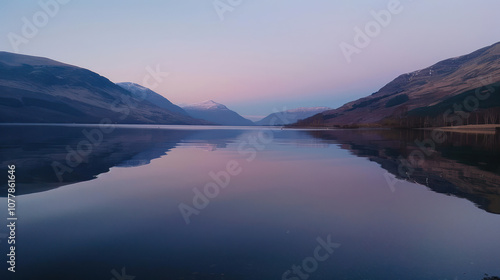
<point x="261" y="55"/>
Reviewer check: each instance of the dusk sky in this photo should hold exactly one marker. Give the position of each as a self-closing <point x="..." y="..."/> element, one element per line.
<point x="259" y="56"/>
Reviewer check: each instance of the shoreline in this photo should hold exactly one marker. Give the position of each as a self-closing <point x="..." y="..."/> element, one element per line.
<point x="473" y="128"/>
<point x="482" y="128"/>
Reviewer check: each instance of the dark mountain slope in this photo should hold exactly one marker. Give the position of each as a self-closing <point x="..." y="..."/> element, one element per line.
<point x="40" y="90"/>
<point x="152" y="97"/>
<point x="417" y="90"/>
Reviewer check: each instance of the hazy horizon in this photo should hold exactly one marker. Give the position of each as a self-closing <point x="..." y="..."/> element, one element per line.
<point x="258" y="56"/>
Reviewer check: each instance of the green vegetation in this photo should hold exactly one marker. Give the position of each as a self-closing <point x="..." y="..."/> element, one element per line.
<point x="366" y="103"/>
<point x="492" y="101"/>
<point x="477" y="106"/>
<point x="400" y="99"/>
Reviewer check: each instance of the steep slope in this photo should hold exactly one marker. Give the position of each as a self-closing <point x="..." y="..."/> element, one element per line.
<point x="153" y="97"/>
<point x="40" y="90"/>
<point x="291" y="116"/>
<point x="216" y="113"/>
<point x="419" y="89"/>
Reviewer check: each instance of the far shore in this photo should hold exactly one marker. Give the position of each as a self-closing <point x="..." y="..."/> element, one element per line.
<point x="476" y="129"/>
<point x="473" y="128"/>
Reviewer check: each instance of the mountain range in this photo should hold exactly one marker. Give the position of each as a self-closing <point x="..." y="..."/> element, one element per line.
<point x="41" y="90"/>
<point x="420" y="98"/>
<point x="455" y="91"/>
<point x="216" y="113"/>
<point x="291" y="116"/>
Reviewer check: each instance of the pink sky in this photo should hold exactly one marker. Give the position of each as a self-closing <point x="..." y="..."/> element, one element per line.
<point x="263" y="54"/>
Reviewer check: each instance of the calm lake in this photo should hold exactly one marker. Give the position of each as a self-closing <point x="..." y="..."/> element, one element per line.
<point x="162" y="202"/>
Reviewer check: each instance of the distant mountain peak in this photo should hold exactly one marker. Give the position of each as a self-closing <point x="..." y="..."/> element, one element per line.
<point x="207" y="105"/>
<point x="291" y="116"/>
<point x="216" y="113"/>
<point x="308" y="109"/>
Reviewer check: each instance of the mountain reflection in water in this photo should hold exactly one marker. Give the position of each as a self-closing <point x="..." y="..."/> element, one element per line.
<point x="465" y="165"/>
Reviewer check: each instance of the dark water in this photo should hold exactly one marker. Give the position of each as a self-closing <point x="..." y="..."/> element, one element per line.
<point x="339" y="204"/>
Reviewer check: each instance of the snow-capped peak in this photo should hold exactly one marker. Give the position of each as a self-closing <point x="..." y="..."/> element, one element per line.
<point x="207" y="105"/>
<point x="133" y="86"/>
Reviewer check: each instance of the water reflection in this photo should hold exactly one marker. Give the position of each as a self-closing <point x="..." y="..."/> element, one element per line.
<point x="464" y="165"/>
<point x="41" y="152"/>
<point x="300" y="186"/>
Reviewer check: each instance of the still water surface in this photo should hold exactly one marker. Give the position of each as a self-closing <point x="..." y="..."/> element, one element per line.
<point x="290" y="192"/>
